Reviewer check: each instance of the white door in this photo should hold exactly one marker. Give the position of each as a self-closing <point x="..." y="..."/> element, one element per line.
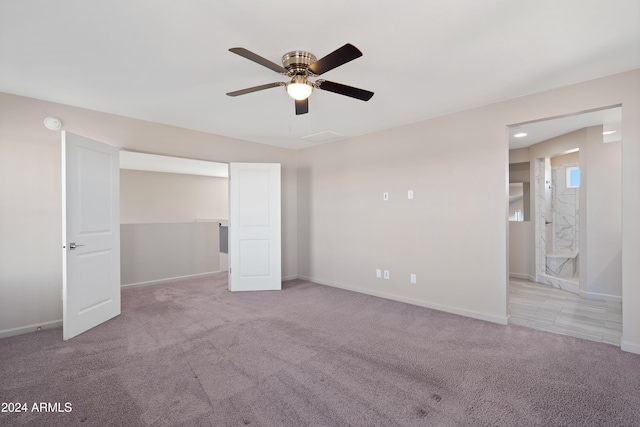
<point x="90" y="233"/>
<point x="254" y="227"/>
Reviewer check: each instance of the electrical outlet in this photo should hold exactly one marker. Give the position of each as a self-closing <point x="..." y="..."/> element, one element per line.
<point x="413" y="278"/>
<point x="386" y="274"/>
<point x="378" y="273"/>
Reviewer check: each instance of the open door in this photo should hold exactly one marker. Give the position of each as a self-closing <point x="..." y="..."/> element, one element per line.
<point x="90" y="233"/>
<point x="254" y="227"/>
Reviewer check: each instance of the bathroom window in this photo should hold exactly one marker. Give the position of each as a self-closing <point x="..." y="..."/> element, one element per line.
<point x="573" y="177"/>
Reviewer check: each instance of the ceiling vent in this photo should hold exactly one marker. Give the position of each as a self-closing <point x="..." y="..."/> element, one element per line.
<point x="323" y="137"/>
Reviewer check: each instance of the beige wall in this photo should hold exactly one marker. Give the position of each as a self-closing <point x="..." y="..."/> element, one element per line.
<point x="519" y="155"/>
<point x="521" y="250"/>
<point x="601" y="175"/>
<point x="567" y="158"/>
<point x="453" y="235"/>
<point x="147" y="197"/>
<point x="521" y="242"/>
<point x="30" y="194"/>
<point x="166" y="232"/>
<point x="162" y="252"/>
<point x="519" y="172"/>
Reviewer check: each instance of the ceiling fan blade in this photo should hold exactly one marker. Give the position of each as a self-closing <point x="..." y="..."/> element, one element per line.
<point x="258" y="59"/>
<point x="353" y="92"/>
<point x="338" y="57"/>
<point x="302" y="106"/>
<point x="255" y="89"/>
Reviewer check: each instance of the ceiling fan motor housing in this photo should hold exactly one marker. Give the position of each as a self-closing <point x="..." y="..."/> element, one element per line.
<point x="297" y="62"/>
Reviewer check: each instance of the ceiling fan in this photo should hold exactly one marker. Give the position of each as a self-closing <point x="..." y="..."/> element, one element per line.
<point x="299" y="66"/>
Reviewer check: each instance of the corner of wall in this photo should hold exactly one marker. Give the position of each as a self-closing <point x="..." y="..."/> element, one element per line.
<point x="629" y="347"/>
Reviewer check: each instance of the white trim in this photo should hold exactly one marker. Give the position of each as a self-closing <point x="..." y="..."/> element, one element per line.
<point x="602" y="297"/>
<point x="630" y="347"/>
<point x="522" y="276"/>
<point x="30" y="328"/>
<point x="168" y="280"/>
<point x="439" y="307"/>
<point x="287" y="278"/>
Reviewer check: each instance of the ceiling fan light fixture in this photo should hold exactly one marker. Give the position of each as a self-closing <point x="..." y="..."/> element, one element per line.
<point x="299" y="88"/>
<point x="299" y="66"/>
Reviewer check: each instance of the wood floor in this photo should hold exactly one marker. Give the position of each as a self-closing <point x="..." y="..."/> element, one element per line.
<point x="549" y="309"/>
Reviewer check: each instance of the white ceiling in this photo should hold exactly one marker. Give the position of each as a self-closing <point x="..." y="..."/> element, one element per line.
<point x="168" y="61"/>
<point x="541" y="130"/>
<point x="156" y="163"/>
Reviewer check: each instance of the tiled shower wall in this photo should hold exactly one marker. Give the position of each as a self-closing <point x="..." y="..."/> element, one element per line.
<point x="540" y="215"/>
<point x="565" y="212"/>
<point x="544" y="212"/>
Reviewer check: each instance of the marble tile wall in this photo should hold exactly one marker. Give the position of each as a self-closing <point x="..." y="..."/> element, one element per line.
<point x="539" y="217"/>
<point x="565" y="213"/>
<point x="556" y="217"/>
<point x="562" y="267"/>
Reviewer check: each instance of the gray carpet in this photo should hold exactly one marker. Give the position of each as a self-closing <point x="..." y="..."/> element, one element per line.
<point x="194" y="354"/>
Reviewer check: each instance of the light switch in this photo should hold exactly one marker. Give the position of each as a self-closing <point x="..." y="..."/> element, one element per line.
<point x="410" y="194"/>
<point x="385" y="196"/>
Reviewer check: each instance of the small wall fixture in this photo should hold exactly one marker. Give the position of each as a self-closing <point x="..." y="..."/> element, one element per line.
<point x="52" y="123"/>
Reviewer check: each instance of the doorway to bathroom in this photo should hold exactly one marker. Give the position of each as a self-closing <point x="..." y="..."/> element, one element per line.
<point x="565" y="243"/>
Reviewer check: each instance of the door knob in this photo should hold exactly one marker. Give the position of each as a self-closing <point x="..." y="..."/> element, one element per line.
<point x="72" y="246"/>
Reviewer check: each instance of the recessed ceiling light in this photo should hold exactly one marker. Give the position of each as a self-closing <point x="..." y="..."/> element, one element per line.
<point x="520" y="135"/>
<point x="608" y="132"/>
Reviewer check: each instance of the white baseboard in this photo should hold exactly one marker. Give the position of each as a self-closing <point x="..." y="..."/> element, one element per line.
<point x="168" y="280"/>
<point x="413" y="301"/>
<point x="30" y="328"/>
<point x="522" y="276"/>
<point x="191" y="276"/>
<point x="602" y="297"/>
<point x="630" y="347"/>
